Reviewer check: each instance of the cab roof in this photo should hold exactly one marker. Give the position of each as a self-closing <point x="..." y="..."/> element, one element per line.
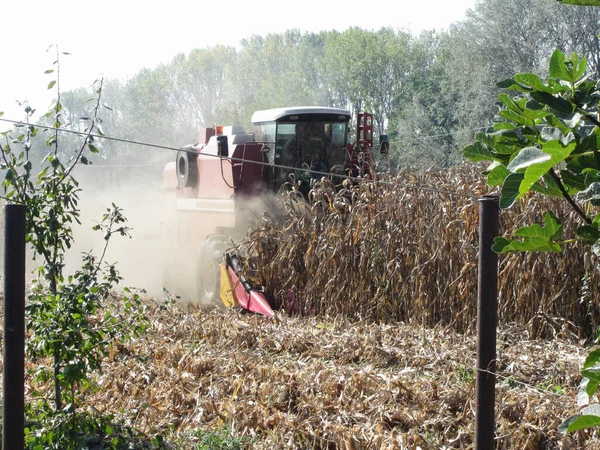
<point x="271" y="115"/>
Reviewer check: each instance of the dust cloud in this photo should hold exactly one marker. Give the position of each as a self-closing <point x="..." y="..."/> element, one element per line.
<point x="151" y="259"/>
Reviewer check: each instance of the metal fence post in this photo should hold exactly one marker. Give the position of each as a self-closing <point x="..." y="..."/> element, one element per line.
<point x="13" y="405"/>
<point x="487" y="318"/>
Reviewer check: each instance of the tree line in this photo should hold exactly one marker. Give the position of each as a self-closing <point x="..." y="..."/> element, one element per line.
<point x="429" y="92"/>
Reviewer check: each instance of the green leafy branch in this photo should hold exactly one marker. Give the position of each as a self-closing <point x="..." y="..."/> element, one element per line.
<point x="589" y="416"/>
<point x="546" y="141"/>
<point x="72" y="320"/>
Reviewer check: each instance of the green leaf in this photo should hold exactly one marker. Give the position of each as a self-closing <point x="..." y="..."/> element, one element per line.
<point x="504" y="126"/>
<point x="580" y="68"/>
<point x="587" y="388"/>
<point x="556" y="103"/>
<point x="563" y="428"/>
<point x="497" y="175"/>
<point x="552" y="185"/>
<point x="507" y="142"/>
<point x="592" y="193"/>
<point x="93" y="148"/>
<point x="573" y="181"/>
<point x="580" y="2"/>
<point x="522" y="107"/>
<point x="591" y="410"/>
<point x="589" y="233"/>
<point x="583" y="163"/>
<point x="567" y="69"/>
<point x="512" y="85"/>
<point x="554" y="121"/>
<point x="579" y="422"/>
<point x="504" y="245"/>
<point x="535" y="114"/>
<point x="500" y="243"/>
<point x="486" y="139"/>
<point x="515" y="117"/>
<point x="51" y="84"/>
<point x="593" y="359"/>
<point x="558" y="152"/>
<point x="589" y="143"/>
<point x="533" y="81"/>
<point x="535" y="238"/>
<point x="49" y="71"/>
<point x="510" y="189"/>
<point x="570" y="119"/>
<point x="511" y="103"/>
<point x="549" y="187"/>
<point x="551" y="134"/>
<point x="527" y="157"/>
<point x="556" y="69"/>
<point x="552" y="230"/>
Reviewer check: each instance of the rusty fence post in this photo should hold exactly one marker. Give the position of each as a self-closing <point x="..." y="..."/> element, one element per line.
<point x="13" y="404"/>
<point x="487" y="318"/>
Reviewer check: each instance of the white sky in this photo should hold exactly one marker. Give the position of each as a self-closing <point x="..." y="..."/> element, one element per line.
<point x="115" y="39"/>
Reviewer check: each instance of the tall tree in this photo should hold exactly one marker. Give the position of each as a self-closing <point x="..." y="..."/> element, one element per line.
<point x="422" y="127"/>
<point x="501" y="37"/>
<point x="199" y="81"/>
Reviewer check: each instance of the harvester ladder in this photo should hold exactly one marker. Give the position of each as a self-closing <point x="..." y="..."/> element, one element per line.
<point x="364" y="130"/>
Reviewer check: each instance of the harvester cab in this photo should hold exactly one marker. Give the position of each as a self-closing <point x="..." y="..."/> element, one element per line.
<point x="308" y="143"/>
<point x="226" y="178"/>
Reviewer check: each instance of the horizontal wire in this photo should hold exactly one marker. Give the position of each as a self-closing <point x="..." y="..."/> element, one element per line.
<point x="432" y="136"/>
<point x="280" y="166"/>
<point x="120" y="166"/>
<point x="529" y="387"/>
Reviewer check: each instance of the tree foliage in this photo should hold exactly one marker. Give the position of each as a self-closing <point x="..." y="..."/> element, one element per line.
<point x="430" y="93"/>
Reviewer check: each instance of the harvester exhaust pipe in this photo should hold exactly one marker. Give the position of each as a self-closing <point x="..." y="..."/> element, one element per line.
<point x="222" y="146"/>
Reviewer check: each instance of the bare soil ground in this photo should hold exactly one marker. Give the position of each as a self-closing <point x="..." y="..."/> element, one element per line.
<point x="302" y="383"/>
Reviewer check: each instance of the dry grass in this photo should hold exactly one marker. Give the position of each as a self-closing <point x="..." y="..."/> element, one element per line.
<point x="393" y="253"/>
<point x="331" y="383"/>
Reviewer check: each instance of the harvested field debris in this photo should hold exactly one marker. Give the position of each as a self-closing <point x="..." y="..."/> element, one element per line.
<point x="334" y="383"/>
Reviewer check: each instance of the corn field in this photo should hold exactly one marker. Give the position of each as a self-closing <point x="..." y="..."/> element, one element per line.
<point x="392" y="252"/>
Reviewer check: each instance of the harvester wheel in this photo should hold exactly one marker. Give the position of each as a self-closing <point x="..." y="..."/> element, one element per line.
<point x="186" y="168"/>
<point x="208" y="272"/>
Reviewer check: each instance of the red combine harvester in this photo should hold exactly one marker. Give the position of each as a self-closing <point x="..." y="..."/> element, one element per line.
<point x="229" y="177"/>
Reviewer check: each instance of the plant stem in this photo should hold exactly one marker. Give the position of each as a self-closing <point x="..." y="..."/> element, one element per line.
<point x="569" y="241"/>
<point x="568" y="198"/>
<point x="90" y="132"/>
<point x="589" y="117"/>
<point x="57" y="393"/>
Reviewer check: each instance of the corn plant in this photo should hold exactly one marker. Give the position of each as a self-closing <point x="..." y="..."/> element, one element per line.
<point x="396" y="252"/>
